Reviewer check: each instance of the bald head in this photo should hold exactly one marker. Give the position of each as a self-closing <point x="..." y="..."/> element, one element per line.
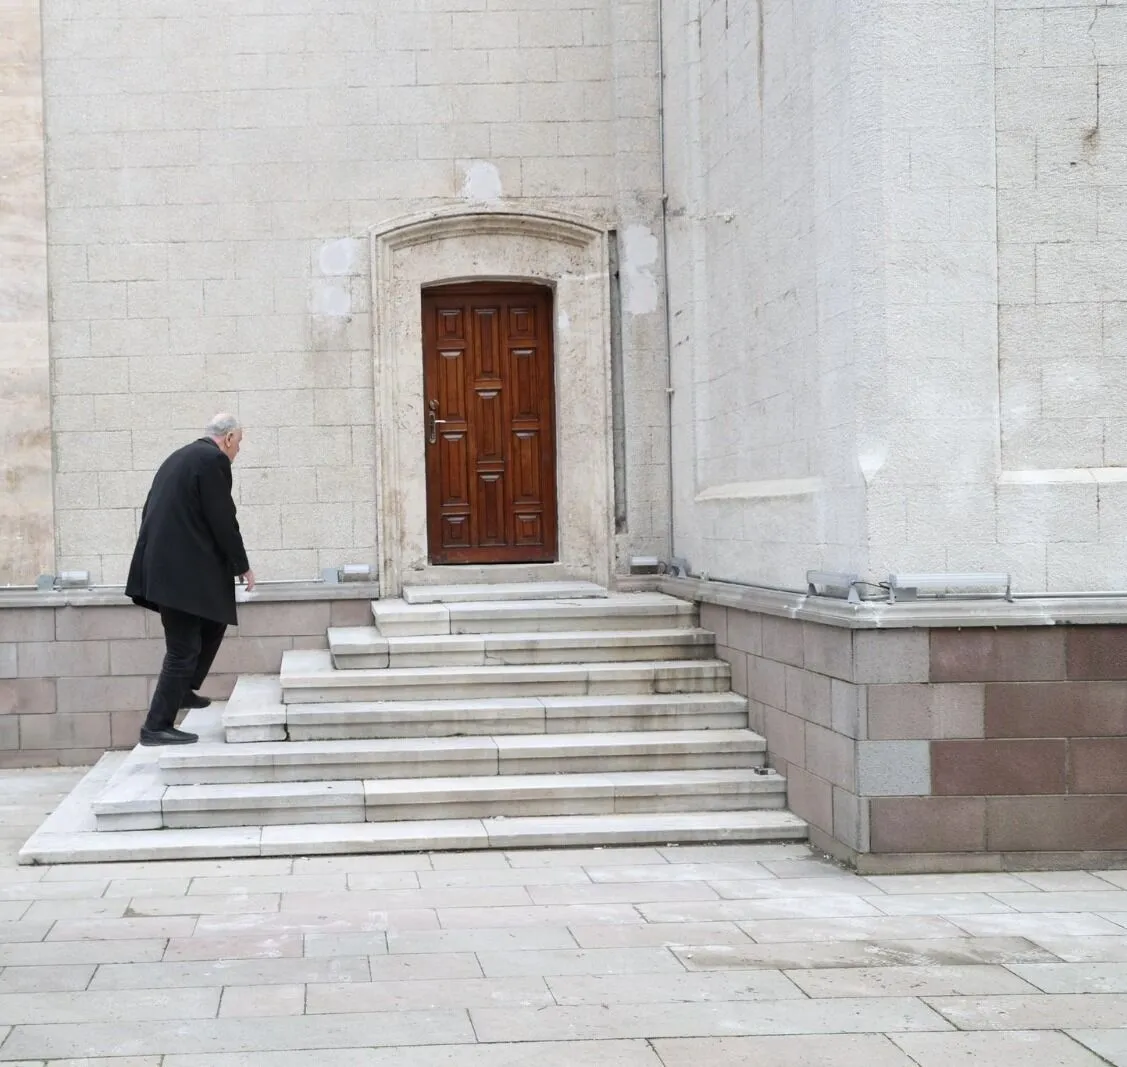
<point x="225" y="431"/>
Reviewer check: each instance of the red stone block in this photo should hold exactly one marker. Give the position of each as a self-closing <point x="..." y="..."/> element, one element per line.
<point x="1022" y="654"/>
<point x="997" y="768"/>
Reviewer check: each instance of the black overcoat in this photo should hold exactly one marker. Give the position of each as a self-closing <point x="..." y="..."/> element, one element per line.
<point x="189" y="548"/>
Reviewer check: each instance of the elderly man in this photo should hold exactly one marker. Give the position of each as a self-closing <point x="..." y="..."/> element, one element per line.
<point x="189" y="553"/>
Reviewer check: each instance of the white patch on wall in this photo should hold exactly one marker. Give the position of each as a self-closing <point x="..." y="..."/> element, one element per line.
<point x="338" y="257"/>
<point x="333" y="301"/>
<point x="870" y="460"/>
<point x="639" y="283"/>
<point x="563" y="323"/>
<point x="481" y="182"/>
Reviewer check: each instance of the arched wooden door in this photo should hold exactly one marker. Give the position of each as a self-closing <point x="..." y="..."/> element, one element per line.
<point x="489" y="424"/>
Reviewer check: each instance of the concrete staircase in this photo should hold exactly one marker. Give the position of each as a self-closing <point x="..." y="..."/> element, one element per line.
<point x="542" y="715"/>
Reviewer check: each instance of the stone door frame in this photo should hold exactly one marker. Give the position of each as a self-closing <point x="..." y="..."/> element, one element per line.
<point x="502" y="243"/>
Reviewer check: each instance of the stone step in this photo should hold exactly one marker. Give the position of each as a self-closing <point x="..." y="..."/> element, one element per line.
<point x="364" y="646"/>
<point x="308" y="677"/>
<point x="527" y="715"/>
<point x="461" y="594"/>
<point x="70" y="837"/>
<point x="627" y="611"/>
<point x="447" y="757"/>
<point x="522" y="796"/>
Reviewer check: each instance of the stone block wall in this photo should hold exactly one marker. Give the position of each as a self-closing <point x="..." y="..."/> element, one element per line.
<point x="76" y="680"/>
<point x="978" y="748"/>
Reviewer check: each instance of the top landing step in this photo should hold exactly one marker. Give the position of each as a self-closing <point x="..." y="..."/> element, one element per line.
<point x="467" y="594"/>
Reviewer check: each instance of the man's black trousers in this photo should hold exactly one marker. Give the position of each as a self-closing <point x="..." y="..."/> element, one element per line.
<point x="190" y="647"/>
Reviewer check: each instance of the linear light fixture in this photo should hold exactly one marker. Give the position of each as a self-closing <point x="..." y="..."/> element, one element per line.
<point x="48" y="583"/>
<point x="347" y="572"/>
<point x="910" y="586"/>
<point x="833" y="584"/>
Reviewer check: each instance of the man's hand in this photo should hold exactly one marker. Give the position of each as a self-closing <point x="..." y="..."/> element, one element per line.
<point x="248" y="580"/>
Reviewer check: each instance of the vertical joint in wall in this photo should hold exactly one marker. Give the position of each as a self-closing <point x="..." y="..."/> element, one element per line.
<point x="618" y="386"/>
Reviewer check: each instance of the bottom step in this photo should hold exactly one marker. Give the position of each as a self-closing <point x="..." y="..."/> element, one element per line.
<point x="69" y="836"/>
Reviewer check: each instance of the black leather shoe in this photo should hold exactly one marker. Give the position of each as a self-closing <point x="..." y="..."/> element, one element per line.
<point x="171" y="736"/>
<point x="194" y="700"/>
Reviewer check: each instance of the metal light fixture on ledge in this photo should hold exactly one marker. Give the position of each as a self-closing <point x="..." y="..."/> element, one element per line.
<point x="348" y="572"/>
<point x="903" y="587"/>
<point x="832" y="584"/>
<point x="48" y="583"/>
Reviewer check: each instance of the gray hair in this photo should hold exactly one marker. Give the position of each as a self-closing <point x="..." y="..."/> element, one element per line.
<point x="221" y="425"/>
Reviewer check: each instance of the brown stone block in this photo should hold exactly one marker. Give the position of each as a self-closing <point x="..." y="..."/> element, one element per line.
<point x="1023" y="654"/>
<point x="924" y="712"/>
<point x="831" y="756"/>
<point x="27" y="696"/>
<point x="737" y="660"/>
<point x="289" y="620"/>
<point x="809" y="695"/>
<point x="27" y="624"/>
<point x="1056" y="709"/>
<point x="786" y="737"/>
<point x="810" y="798"/>
<point x="252" y="655"/>
<point x="141" y="656"/>
<point x="783" y="640"/>
<point x="1097" y="651"/>
<point x="927" y="824"/>
<point x="10" y="732"/>
<point x="997" y="768"/>
<point x="125" y="726"/>
<point x="64" y="659"/>
<point x="1097" y="765"/>
<point x="1056" y="824"/>
<point x="745" y="631"/>
<point x="713" y="617"/>
<point x="828" y="650"/>
<point x="65" y="731"/>
<point x="77" y="695"/>
<point x="11" y="759"/>
<point x="219" y="686"/>
<point x="312" y="641"/>
<point x="355" y="613"/>
<point x="767" y="682"/>
<point x="99" y="623"/>
<point x="80" y="757"/>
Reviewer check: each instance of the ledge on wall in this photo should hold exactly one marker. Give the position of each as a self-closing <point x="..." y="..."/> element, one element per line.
<point x="1092" y="609"/>
<point x="114" y="595"/>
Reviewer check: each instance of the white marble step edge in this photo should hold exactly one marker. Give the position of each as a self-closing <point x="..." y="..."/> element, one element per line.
<point x="308" y="676"/>
<point x="364" y="646"/>
<point x="254" y="711"/>
<point x="397" y="618"/>
<point x="69" y="836"/>
<point x="292" y="761"/>
<point x="524" y="715"/>
<point x="461" y="594"/>
<point x="185" y="807"/>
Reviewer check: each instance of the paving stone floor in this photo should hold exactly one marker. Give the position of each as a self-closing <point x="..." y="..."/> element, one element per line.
<point x="642" y="957"/>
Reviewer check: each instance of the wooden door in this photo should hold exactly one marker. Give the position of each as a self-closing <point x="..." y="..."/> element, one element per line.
<point x="489" y="411"/>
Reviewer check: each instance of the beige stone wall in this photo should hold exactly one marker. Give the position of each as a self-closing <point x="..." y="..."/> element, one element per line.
<point x="76" y="679"/>
<point x="213" y="174"/>
<point x="26" y="521"/>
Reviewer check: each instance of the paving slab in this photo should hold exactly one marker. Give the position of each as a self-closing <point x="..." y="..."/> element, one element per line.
<point x="838" y="1050"/>
<point x="1016" y="1048"/>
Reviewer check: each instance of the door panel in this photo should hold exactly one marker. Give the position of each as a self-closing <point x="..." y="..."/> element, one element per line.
<point x="490" y="434"/>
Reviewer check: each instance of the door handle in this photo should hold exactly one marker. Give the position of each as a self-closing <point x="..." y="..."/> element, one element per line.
<point x="433" y="422"/>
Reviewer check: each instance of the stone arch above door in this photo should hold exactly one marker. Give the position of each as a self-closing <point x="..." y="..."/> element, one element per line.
<point x="497" y="245"/>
